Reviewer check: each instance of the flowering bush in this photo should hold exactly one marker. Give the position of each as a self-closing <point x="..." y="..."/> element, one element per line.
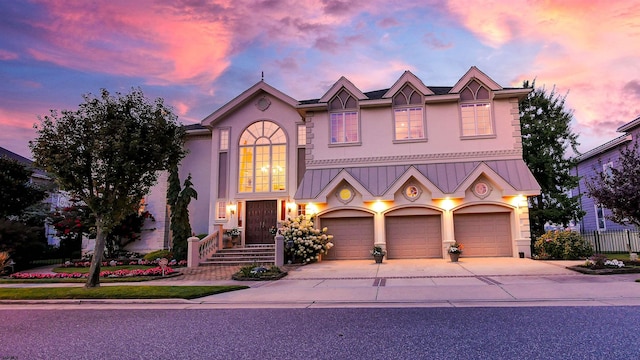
<point x="566" y="245"/>
<point x="156" y="271"/>
<point x="307" y="242"/>
<point x="599" y="261"/>
<point x="455" y="248"/>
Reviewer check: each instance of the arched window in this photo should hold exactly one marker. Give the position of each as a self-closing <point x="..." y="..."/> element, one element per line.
<point x="343" y="110"/>
<point x="475" y="110"/>
<point x="263" y="158"/>
<point x="408" y="114"/>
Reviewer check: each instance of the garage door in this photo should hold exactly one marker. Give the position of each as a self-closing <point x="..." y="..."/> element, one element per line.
<point x="484" y="234"/>
<point x="352" y="237"/>
<point x="411" y="237"/>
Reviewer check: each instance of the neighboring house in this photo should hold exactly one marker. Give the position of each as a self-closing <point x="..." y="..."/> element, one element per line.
<point x="412" y="168"/>
<point x="597" y="160"/>
<point x="40" y="178"/>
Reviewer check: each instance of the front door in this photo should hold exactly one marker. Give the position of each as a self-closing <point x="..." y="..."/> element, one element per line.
<point x="261" y="215"/>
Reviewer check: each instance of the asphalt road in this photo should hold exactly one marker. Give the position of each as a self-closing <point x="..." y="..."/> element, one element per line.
<point x="388" y="333"/>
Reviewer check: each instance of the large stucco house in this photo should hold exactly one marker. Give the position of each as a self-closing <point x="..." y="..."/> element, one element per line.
<point x="411" y="168"/>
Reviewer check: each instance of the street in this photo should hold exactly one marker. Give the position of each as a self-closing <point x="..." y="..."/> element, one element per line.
<point x="362" y="333"/>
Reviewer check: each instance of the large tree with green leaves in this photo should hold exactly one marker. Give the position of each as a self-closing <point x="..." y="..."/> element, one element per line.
<point x="546" y="137"/>
<point x="108" y="154"/>
<point x="618" y="187"/>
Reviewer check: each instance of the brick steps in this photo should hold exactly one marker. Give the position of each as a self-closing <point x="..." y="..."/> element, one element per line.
<point x="262" y="254"/>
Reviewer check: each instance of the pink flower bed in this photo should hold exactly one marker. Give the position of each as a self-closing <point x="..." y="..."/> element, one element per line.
<point x="156" y="271"/>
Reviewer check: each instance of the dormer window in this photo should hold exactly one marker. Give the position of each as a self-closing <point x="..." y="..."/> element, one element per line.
<point x="344" y="125"/>
<point x="475" y="110"/>
<point x="408" y="114"/>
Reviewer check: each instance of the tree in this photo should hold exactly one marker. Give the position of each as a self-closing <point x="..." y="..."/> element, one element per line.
<point x="618" y="188"/>
<point x="17" y="193"/>
<point x="108" y="153"/>
<point x="546" y="137"/>
<point x="180" y="226"/>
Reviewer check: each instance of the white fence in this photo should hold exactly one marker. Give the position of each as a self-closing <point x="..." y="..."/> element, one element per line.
<point x="614" y="241"/>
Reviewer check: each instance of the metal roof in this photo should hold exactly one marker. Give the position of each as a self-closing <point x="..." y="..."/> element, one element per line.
<point x="377" y="180"/>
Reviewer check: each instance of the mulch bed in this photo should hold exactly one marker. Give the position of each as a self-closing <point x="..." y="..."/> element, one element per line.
<point x="605" y="271"/>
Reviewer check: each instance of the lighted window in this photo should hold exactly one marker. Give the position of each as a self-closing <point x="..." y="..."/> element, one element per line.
<point x="344" y="119"/>
<point x="475" y="110"/>
<point x="408" y="114"/>
<point x="302" y="209"/>
<point x="224" y="139"/>
<point x="262" y="160"/>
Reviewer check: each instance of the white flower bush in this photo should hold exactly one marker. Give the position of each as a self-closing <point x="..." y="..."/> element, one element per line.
<point x="308" y="242"/>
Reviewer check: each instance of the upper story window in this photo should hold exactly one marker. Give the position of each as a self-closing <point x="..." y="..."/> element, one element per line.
<point x="344" y="119"/>
<point x="408" y="114"/>
<point x="302" y="135"/>
<point x="263" y="158"/>
<point x="224" y="139"/>
<point x="475" y="110"/>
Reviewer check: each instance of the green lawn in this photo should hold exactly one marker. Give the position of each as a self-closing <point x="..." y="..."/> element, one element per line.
<point x="115" y="292"/>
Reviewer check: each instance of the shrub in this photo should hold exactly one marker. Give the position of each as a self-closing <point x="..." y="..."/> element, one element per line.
<point x="307" y="242"/>
<point x="565" y="245"/>
<point x="158" y="254"/>
<point x="258" y="272"/>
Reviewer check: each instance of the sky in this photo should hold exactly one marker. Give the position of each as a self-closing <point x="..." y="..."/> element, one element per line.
<point x="199" y="54"/>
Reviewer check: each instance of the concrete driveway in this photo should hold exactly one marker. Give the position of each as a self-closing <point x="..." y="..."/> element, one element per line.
<point x="435" y="282"/>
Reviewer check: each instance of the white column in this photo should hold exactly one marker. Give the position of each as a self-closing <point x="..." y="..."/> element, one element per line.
<point x="448" y="232"/>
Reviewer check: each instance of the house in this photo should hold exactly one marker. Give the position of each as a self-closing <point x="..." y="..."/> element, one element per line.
<point x="597" y="160"/>
<point x="412" y="168"/>
<point x="41" y="179"/>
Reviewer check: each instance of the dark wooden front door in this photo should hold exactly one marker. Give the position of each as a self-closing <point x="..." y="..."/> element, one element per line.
<point x="261" y="215"/>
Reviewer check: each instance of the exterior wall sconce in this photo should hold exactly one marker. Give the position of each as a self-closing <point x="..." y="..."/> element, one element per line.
<point x="447" y="204"/>
<point x="291" y="206"/>
<point x="232" y="208"/>
<point x="378" y="206"/>
<point x="311" y="209"/>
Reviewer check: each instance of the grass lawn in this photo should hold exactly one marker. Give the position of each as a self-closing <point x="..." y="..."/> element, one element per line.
<point x="115" y="292"/>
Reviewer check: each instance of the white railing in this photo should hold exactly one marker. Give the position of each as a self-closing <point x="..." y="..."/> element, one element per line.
<point x="199" y="250"/>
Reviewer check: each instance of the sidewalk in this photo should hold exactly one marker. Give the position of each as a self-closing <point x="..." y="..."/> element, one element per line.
<point x="399" y="283"/>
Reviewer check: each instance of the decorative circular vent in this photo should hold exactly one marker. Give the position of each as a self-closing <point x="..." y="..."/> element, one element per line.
<point x="412" y="192"/>
<point x="482" y="189"/>
<point x="263" y="103"/>
<point x="345" y="194"/>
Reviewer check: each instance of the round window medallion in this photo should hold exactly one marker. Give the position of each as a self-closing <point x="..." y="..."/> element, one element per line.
<point x="411" y="192"/>
<point x="481" y="189"/>
<point x="345" y="195"/>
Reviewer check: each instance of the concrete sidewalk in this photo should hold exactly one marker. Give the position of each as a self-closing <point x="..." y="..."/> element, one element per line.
<point x="400" y="283"/>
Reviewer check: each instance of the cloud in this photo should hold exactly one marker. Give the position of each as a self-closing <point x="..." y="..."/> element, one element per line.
<point x="586" y="48"/>
<point x="432" y="41"/>
<point x="7" y="55"/>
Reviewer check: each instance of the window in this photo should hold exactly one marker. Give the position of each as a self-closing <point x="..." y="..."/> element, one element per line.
<point x="408" y="118"/>
<point x="221" y="212"/>
<point x="600" y="221"/>
<point x="344" y="119"/>
<point x="302" y="135"/>
<point x="302" y="209"/>
<point x="475" y="110"/>
<point x="262" y="161"/>
<point x="607" y="169"/>
<point x="224" y="139"/>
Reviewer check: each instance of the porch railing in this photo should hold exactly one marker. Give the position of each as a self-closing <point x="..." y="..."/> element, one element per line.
<point x="199" y="250"/>
<point x="614" y="241"/>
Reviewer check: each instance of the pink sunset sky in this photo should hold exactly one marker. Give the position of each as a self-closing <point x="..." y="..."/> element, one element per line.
<point x="199" y="54"/>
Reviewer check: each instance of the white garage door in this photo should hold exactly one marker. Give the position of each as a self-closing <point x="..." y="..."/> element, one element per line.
<point x="352" y="237"/>
<point x="412" y="237"/>
<point x="484" y="234"/>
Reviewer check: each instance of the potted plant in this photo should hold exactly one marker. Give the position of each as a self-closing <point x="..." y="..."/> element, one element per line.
<point x="454" y="251"/>
<point x="378" y="253"/>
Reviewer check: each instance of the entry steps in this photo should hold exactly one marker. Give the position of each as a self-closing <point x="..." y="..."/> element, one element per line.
<point x="261" y="254"/>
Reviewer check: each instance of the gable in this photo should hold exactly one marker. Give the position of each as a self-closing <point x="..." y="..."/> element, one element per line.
<point x="242" y="99"/>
